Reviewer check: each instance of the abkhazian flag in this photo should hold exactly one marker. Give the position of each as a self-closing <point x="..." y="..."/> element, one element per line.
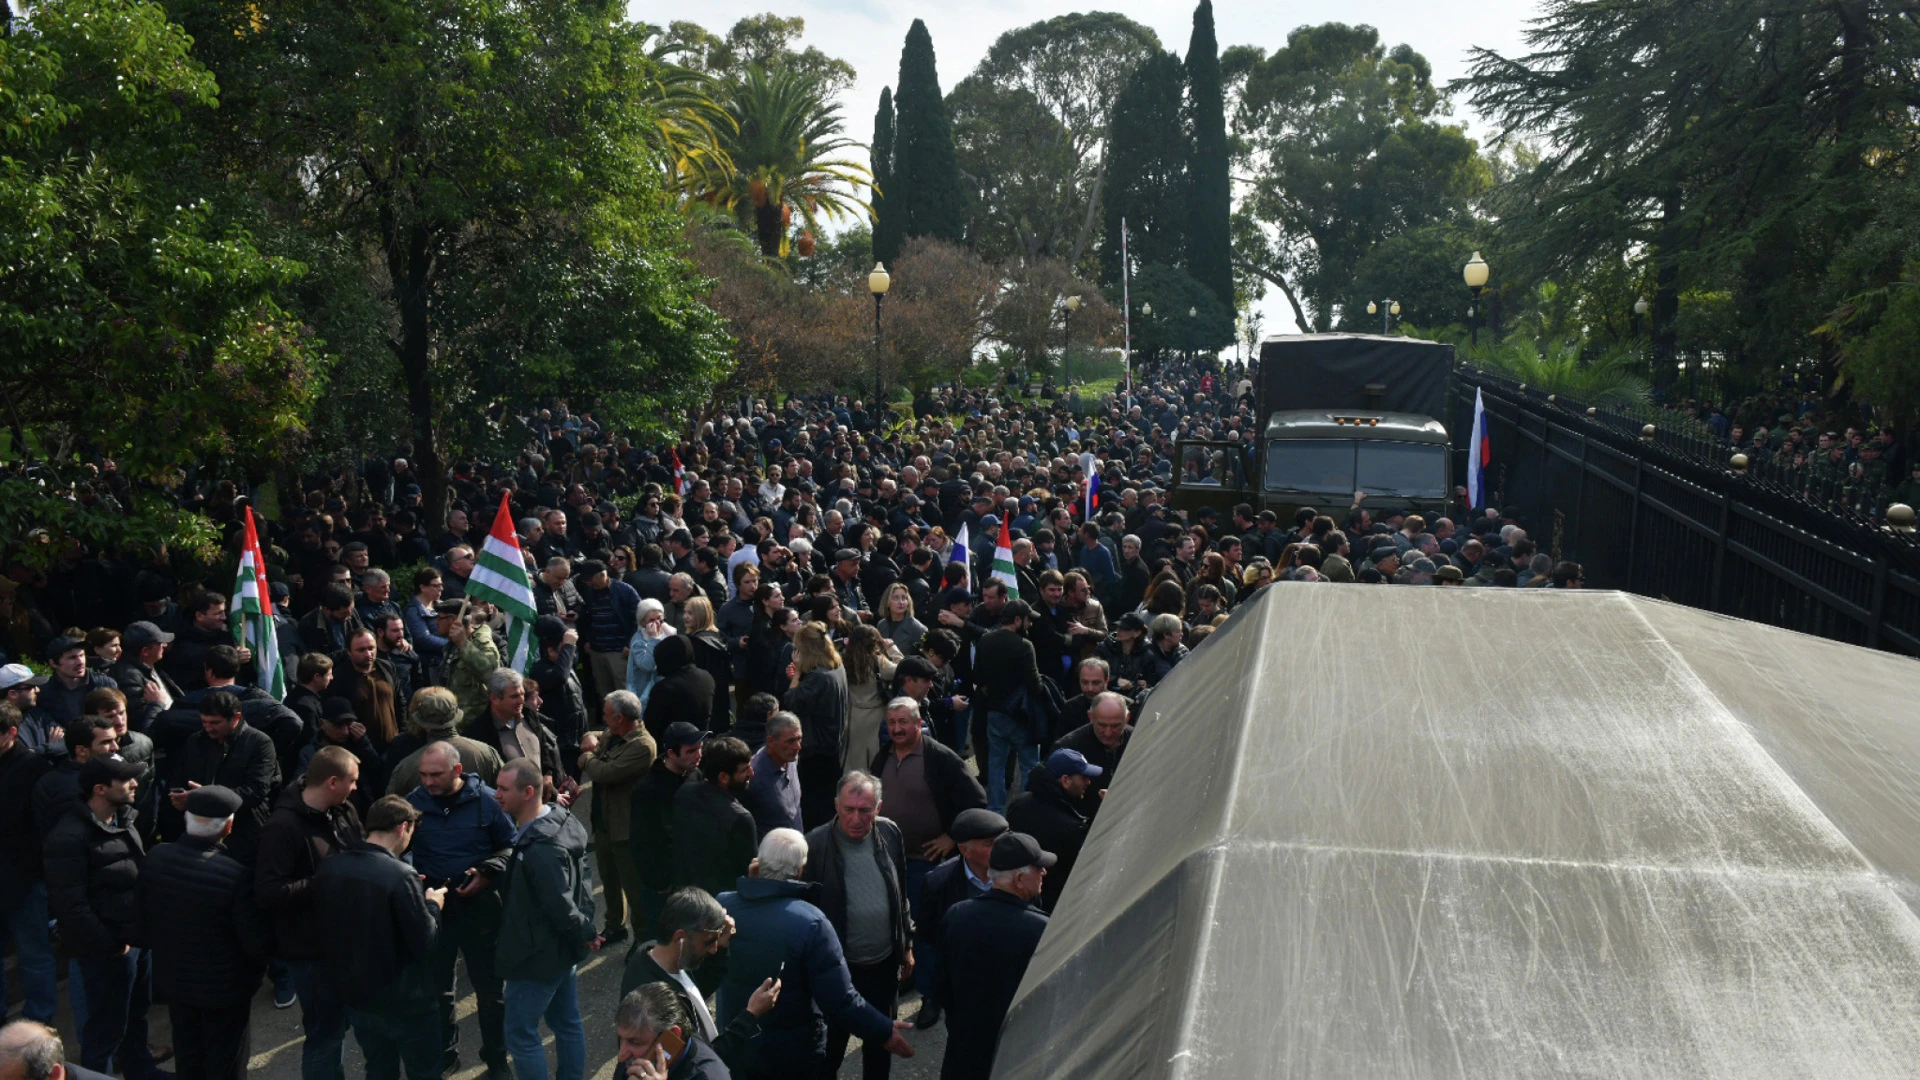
<point x="1003" y="561"/>
<point x="251" y="615"/>
<point x="960" y="551"/>
<point x="1479" y="455"/>
<point x="500" y="578"/>
<point x="679" y="473"/>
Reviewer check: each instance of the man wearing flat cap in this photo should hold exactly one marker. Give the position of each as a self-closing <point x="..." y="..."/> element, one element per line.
<point x="987" y="943"/>
<point x="209" y="941"/>
<point x="960" y="878"/>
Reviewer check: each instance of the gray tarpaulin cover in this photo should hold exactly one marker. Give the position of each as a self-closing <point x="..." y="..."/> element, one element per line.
<point x="1332" y="371"/>
<point x="1485" y="833"/>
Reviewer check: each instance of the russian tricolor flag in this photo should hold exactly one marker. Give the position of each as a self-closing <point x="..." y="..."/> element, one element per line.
<point x="1093" y="490"/>
<point x="1479" y="454"/>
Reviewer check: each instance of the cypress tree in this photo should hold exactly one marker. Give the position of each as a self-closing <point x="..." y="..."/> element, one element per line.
<point x="1146" y="169"/>
<point x="926" y="197"/>
<point x="1210" y="195"/>
<point x="886" y="224"/>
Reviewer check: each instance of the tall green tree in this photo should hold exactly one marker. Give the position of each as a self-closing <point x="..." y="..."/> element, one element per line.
<point x="490" y="167"/>
<point x="783" y="142"/>
<point x="1030" y="129"/>
<point x="140" y="322"/>
<point x="766" y="41"/>
<point x="1147" y="179"/>
<point x="1346" y="144"/>
<point x="926" y="199"/>
<point x="1732" y="149"/>
<point x="886" y="225"/>
<point x="1209" y="234"/>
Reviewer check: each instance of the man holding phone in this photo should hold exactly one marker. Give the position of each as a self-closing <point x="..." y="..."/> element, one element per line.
<point x="693" y="929"/>
<point x="652" y="1025"/>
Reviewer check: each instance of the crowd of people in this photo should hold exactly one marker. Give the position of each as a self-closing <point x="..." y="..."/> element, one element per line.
<point x="829" y="755"/>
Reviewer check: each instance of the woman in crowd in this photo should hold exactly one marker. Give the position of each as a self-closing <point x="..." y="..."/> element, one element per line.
<point x="817" y="694"/>
<point x="897" y="624"/>
<point x="642" y="671"/>
<point x="870" y="660"/>
<point x="711" y="655"/>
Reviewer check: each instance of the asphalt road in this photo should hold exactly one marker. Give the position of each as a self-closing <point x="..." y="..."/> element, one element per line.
<point x="277" y="1039"/>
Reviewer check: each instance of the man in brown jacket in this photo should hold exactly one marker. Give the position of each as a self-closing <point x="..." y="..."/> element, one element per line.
<point x="613" y="763"/>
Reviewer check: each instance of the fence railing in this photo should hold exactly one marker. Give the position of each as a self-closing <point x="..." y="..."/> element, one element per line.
<point x="1664" y="513"/>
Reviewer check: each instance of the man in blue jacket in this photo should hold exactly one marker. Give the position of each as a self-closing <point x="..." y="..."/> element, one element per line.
<point x="462" y="845"/>
<point x="778" y="932"/>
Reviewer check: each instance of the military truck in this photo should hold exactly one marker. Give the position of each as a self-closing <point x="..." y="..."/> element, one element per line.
<point x="1336" y="414"/>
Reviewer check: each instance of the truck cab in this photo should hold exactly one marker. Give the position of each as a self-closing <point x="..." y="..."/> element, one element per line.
<point x="1345" y="429"/>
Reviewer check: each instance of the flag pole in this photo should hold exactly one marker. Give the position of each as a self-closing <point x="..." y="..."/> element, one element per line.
<point x="1126" y="314"/>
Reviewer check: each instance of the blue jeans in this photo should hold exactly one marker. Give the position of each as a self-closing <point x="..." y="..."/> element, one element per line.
<point x="26" y="924"/>
<point x="119" y="990"/>
<point x="324" y="1021"/>
<point x="390" y="1042"/>
<point x="1006" y="736"/>
<point x="924" y="948"/>
<point x="558" y="1001"/>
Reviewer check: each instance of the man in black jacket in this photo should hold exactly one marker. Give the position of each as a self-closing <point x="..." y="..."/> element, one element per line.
<point x="93" y="858"/>
<point x="23" y="893"/>
<point x="208" y="938"/>
<point x="1049" y="811"/>
<point x="1009" y="685"/>
<point x="186" y="657"/>
<point x="693" y="929"/>
<point x="561" y="695"/>
<point x="859" y="861"/>
<point x="714" y="838"/>
<point x="926" y="786"/>
<point x="149" y="690"/>
<point x="988" y="942"/>
<point x="650" y="818"/>
<point x="311" y="822"/>
<point x="230" y="752"/>
<point x="1102" y="740"/>
<point x="381" y="922"/>
<point x="962" y="877"/>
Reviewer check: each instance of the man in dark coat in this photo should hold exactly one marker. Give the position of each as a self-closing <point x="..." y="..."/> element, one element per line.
<point x="516" y="731"/>
<point x="962" y="877"/>
<point x="546" y="924"/>
<point x="150" y="691"/>
<point x="383" y="922"/>
<point x="186" y="657"/>
<point x="650" y="818"/>
<point x="23" y="895"/>
<point x="693" y="929"/>
<point x="312" y="821"/>
<point x="859" y="860"/>
<point x="778" y="930"/>
<point x="1009" y="683"/>
<point x="208" y="939"/>
<point x="988" y="942"/>
<point x="562" y="698"/>
<point x="229" y="752"/>
<point x="714" y="838"/>
<point x="684" y="692"/>
<point x="1102" y="740"/>
<point x="651" y="1014"/>
<point x="93" y="858"/>
<point x="1049" y="811"/>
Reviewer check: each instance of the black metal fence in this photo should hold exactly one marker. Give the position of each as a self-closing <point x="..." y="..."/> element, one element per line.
<point x="1658" y="516"/>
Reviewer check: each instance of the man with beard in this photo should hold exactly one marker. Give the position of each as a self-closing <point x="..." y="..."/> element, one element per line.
<point x="693" y="929"/>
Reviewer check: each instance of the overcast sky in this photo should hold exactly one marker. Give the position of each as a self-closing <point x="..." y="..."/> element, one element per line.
<point x="868" y="34"/>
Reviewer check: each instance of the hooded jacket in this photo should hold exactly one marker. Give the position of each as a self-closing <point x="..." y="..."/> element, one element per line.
<point x="547" y="920"/>
<point x="682" y="692"/>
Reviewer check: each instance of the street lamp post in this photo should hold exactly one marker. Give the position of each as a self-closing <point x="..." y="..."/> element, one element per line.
<point x="1475" y="274"/>
<point x="877" y="283"/>
<point x="1192" y="314"/>
<point x="1386" y="309"/>
<point x="1640" y="307"/>
<point x="1072" y="305"/>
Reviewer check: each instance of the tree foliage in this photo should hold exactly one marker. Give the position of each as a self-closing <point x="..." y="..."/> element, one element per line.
<point x="1209" y="233"/>
<point x="1148" y="189"/>
<point x="1030" y="128"/>
<point x="926" y="198"/>
<point x="787" y="154"/>
<point x="1345" y="144"/>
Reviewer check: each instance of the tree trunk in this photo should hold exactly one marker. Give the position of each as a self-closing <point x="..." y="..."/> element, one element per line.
<point x="410" y="267"/>
<point x="766" y="220"/>
<point x="1299" y="315"/>
<point x="1666" y="292"/>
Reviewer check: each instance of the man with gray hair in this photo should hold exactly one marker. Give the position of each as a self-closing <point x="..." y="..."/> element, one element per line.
<point x="694" y="928"/>
<point x="514" y="730"/>
<point x="777" y="931"/>
<point x="657" y="1040"/>
<point x="613" y="764"/>
<point x="859" y="860"/>
<point x="986" y="944"/>
<point x="210" y="943"/>
<point x="30" y="1050"/>
<point x="773" y="795"/>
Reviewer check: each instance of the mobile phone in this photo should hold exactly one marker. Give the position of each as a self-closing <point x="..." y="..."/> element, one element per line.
<point x="673" y="1043"/>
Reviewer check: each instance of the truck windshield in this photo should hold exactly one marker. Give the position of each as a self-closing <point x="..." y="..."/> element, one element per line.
<point x="1314" y="466"/>
<point x="1344" y="466"/>
<point x="1407" y="470"/>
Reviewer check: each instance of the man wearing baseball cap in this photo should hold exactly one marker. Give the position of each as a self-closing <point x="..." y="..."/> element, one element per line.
<point x="986" y="944"/>
<point x="149" y="690"/>
<point x="1049" y="810"/>
<point x="22" y="689"/>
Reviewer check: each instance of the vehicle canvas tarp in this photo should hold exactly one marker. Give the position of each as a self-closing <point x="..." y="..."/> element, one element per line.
<point x="1502" y="834"/>
<point x="1334" y="372"/>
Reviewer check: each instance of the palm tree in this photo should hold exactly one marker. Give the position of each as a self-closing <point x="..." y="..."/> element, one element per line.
<point x="783" y="148"/>
<point x="687" y="136"/>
